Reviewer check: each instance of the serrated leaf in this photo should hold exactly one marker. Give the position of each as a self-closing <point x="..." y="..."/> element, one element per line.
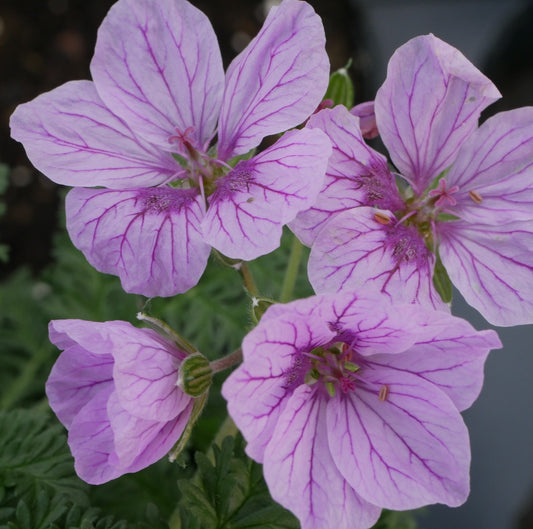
<point x="34" y="455"/>
<point x="207" y="501"/>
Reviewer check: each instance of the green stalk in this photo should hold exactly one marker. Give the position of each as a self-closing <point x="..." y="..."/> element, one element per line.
<point x="292" y="270"/>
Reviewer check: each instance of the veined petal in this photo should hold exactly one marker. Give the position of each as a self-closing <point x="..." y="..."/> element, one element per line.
<point x="157" y="65"/>
<point x="79" y="373"/>
<point x="402" y="452"/>
<point x="355" y="249"/>
<point x="448" y="352"/>
<point x="492" y="266"/>
<point x="146" y="375"/>
<point x="367" y="118"/>
<point x="494" y="170"/>
<point x="251" y="204"/>
<point x="91" y="441"/>
<point x="148" y="237"/>
<point x="75" y="140"/>
<point x="257" y="391"/>
<point x="301" y="474"/>
<point x="141" y="442"/>
<point x="356" y="175"/>
<point x="428" y="105"/>
<point x="276" y="82"/>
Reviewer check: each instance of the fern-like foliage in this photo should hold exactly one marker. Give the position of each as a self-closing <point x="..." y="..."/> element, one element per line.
<point x="229" y="492"/>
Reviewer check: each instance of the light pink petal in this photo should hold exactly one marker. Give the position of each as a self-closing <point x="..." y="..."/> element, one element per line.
<point x="367" y="118"/>
<point x="149" y="237"/>
<point x="354" y="249"/>
<point x="428" y="105"/>
<point x="494" y="170"/>
<point x="448" y="352"/>
<point x="301" y="474"/>
<point x="356" y="175"/>
<point x="146" y="375"/>
<point x="91" y="441"/>
<point x="403" y="452"/>
<point x="366" y="320"/>
<point x="141" y="442"/>
<point x="252" y="203"/>
<point x="258" y="389"/>
<point x="492" y="267"/>
<point x="157" y="65"/>
<point x="276" y="82"/>
<point x="75" y="140"/>
<point x="79" y="373"/>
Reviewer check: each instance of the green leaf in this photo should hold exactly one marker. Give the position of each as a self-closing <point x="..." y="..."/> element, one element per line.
<point x="340" y="89"/>
<point x="207" y="504"/>
<point x="34" y="455"/>
<point x="442" y="282"/>
<point x="396" y="520"/>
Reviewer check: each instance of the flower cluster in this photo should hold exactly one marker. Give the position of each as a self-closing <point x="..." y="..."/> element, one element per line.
<point x="351" y="398"/>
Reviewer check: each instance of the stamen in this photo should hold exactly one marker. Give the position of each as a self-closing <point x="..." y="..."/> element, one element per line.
<point x="475" y="196"/>
<point x="381" y="218"/>
<point x="383" y="393"/>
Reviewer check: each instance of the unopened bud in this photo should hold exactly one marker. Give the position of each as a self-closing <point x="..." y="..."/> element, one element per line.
<point x="195" y="375"/>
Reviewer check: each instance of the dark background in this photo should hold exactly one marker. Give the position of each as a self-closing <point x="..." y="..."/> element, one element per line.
<point x="44" y="43"/>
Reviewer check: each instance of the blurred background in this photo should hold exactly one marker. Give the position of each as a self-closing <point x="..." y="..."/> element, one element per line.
<point x="44" y="43"/>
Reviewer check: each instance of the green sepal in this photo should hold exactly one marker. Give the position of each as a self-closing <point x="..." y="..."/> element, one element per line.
<point x="236" y="159"/>
<point x="441" y="281"/>
<point x="446" y="217"/>
<point x="259" y="306"/>
<point x="340" y="89"/>
<point x="195" y="375"/>
<point x="226" y="261"/>
<point x="197" y="408"/>
<point x="181" y="160"/>
<point x="438" y="178"/>
<point x="350" y="366"/>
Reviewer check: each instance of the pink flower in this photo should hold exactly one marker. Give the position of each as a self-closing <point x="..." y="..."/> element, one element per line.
<point x="142" y="135"/>
<point x="114" y="387"/>
<point x="465" y="192"/>
<point x="353" y="405"/>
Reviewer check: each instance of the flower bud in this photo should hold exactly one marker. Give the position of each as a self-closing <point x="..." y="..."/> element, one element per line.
<point x="195" y="375"/>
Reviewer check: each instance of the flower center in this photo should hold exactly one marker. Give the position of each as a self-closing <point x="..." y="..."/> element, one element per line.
<point x="443" y="195"/>
<point x="333" y="368"/>
<point x="201" y="168"/>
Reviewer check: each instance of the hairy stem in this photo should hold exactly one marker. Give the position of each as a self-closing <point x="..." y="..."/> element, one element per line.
<point x="292" y="270"/>
<point x="227" y="361"/>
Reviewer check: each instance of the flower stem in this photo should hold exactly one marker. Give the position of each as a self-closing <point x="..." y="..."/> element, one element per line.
<point x="168" y="331"/>
<point x="226" y="361"/>
<point x="292" y="270"/>
<point x="248" y="279"/>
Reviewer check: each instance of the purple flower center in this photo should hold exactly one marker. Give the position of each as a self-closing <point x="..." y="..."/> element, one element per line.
<point x="333" y="368"/>
<point x="160" y="199"/>
<point x="202" y="169"/>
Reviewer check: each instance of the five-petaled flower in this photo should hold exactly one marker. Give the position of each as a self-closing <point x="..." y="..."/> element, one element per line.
<point x="466" y="191"/>
<point x="114" y="387"/>
<point x="142" y="134"/>
<point x="352" y="405"/>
